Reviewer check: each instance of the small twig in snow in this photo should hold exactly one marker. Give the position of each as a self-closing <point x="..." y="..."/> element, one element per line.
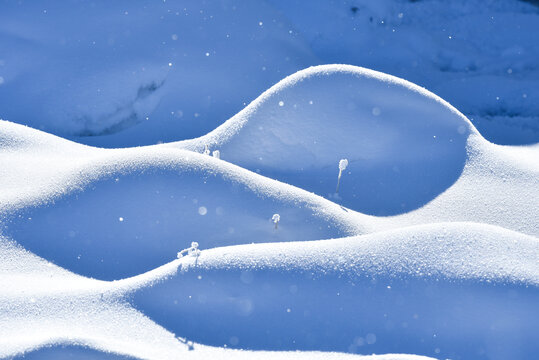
<point x="276" y="218"/>
<point x="191" y="251"/>
<point x="206" y="150"/>
<point x="343" y="163"/>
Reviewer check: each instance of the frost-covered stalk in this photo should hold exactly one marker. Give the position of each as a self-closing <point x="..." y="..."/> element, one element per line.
<point x="190" y="345"/>
<point x="342" y="166"/>
<point x="206" y="150"/>
<point x="191" y="251"/>
<point x="216" y="154"/>
<point x="276" y="218"/>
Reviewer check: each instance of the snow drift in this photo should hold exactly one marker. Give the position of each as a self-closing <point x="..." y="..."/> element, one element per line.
<point x="97" y="211"/>
<point x="367" y="293"/>
<point x="404" y="144"/>
<point x="452" y="274"/>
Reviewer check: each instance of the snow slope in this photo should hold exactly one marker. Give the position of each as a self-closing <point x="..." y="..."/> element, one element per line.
<point x="42" y="304"/>
<point x="142" y="72"/>
<point x="382" y="287"/>
<point x="142" y="195"/>
<point x="479" y="55"/>
<point x="453" y="272"/>
<point x="406" y="147"/>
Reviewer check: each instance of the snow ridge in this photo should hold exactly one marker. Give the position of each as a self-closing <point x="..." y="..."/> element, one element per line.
<point x="89" y="235"/>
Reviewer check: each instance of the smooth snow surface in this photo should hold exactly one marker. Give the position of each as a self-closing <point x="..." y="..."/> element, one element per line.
<point x="141" y="72"/>
<point x="42" y="304"/>
<point x="90" y="236"/>
<point x="480" y="55"/>
<point x="404" y="144"/>
<point x="308" y="295"/>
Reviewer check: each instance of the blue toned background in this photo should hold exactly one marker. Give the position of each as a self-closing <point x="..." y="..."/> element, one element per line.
<point x="128" y="73"/>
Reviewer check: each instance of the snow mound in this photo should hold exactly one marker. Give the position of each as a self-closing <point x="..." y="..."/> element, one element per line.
<point x="481" y="56"/>
<point x="456" y="251"/>
<point x="203" y="352"/>
<point x="128" y="74"/>
<point x="363" y="294"/>
<point x="94" y="211"/>
<point x="453" y="274"/>
<point x="419" y="158"/>
<point x="42" y="305"/>
<point x="498" y="186"/>
<point x="396" y="136"/>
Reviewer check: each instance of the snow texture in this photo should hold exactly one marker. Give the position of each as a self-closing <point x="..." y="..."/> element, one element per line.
<point x="113" y="214"/>
<point x="140" y="72"/>
<point x="428" y="247"/>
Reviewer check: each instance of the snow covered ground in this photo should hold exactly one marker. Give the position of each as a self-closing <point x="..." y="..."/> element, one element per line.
<point x="428" y="249"/>
<point x="144" y="72"/>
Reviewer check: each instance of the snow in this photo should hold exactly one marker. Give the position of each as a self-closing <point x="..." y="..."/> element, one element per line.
<point x="150" y="72"/>
<point x="481" y="56"/>
<point x="428" y="279"/>
<point x="56" y="191"/>
<point x="458" y="251"/>
<point x="97" y="68"/>
<point x="402" y="162"/>
<point x="174" y="247"/>
<point x="43" y="304"/>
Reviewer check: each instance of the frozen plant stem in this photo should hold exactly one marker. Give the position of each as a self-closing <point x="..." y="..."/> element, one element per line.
<point x="188" y="343"/>
<point x="276" y="218"/>
<point x="343" y="163"/>
<point x="206" y="150"/>
<point x="191" y="251"/>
